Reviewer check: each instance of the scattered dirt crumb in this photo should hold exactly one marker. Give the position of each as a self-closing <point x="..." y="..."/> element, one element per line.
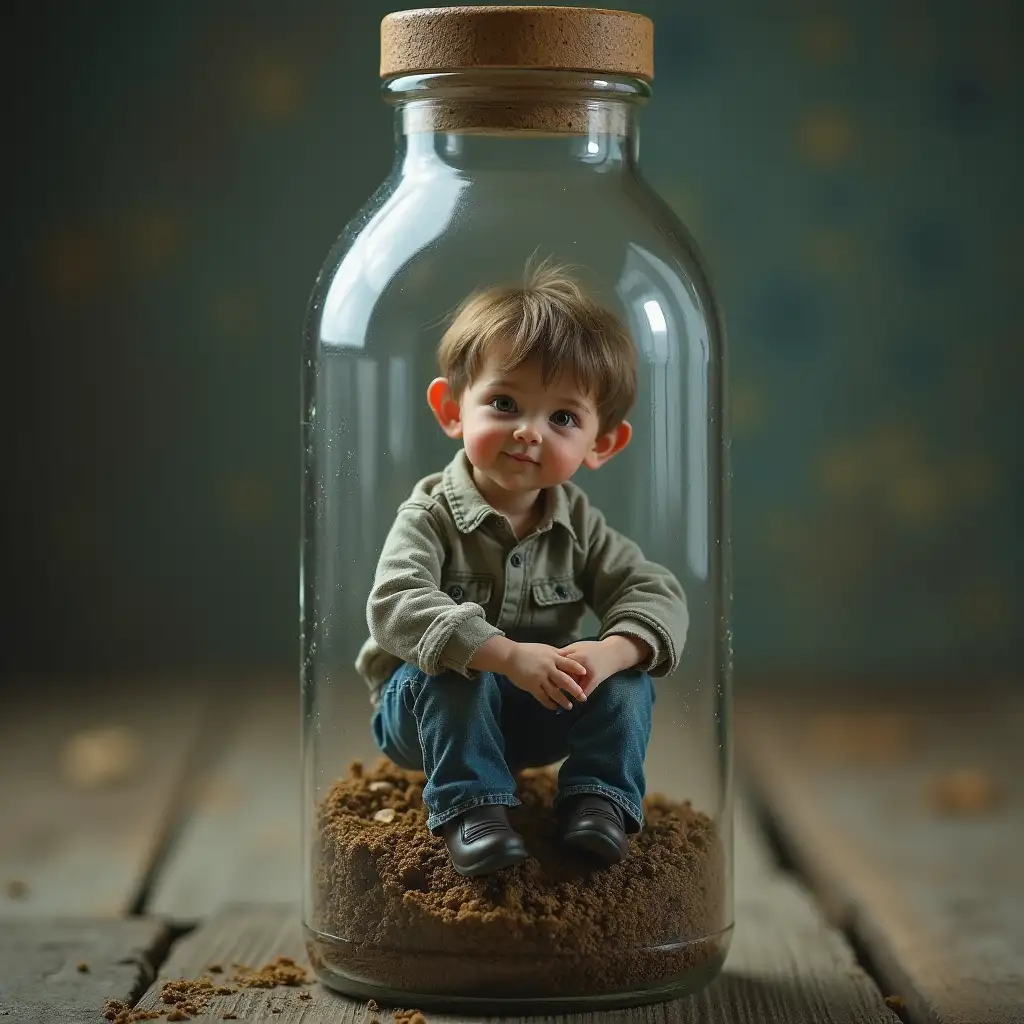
<point x="896" y="1003"/>
<point x="385" y="815"/>
<point x="305" y="995"/>
<point x="372" y="1006"/>
<point x="119" y="1012"/>
<point x="875" y="736"/>
<point x="282" y="970"/>
<point x="964" y="792"/>
<point x="100" y="757"/>
<point x="82" y="968"/>
<point x="410" y="1017"/>
<point x="192" y="996"/>
<point x="17" y="890"/>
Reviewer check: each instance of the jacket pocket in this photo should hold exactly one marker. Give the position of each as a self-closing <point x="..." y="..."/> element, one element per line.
<point x="462" y="587"/>
<point x="557" y="591"/>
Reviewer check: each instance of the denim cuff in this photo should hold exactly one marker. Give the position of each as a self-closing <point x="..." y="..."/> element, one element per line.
<point x="635" y="819"/>
<point x="436" y="821"/>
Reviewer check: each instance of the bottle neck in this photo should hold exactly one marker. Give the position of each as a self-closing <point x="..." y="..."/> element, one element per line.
<point x="542" y="121"/>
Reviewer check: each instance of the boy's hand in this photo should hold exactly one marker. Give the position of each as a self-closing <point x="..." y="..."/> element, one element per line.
<point x="603" y="658"/>
<point x="546" y="673"/>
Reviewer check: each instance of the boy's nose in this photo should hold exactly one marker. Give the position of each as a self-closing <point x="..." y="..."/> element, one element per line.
<point x="527" y="433"/>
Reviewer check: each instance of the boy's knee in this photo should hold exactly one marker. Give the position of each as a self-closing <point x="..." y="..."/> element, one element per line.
<point x="397" y="739"/>
<point x="451" y="688"/>
<point x="626" y="690"/>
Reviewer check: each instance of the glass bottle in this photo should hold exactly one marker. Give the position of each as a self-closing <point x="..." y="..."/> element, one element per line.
<point x="516" y="139"/>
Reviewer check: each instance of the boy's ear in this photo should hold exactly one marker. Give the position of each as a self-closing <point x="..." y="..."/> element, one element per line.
<point x="607" y="445"/>
<point x="446" y="410"/>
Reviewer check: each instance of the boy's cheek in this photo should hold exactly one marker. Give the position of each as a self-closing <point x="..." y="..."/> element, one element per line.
<point x="481" y="446"/>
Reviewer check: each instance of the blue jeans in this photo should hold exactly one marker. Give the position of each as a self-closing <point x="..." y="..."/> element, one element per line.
<point x="469" y="736"/>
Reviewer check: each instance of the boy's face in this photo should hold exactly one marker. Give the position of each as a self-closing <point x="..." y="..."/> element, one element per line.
<point x="522" y="435"/>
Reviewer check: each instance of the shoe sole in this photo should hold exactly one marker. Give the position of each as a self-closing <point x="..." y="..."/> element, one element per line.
<point x="494" y="862"/>
<point x="597" y="844"/>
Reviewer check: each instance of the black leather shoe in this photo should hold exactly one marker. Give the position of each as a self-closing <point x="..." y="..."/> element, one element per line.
<point x="596" y="826"/>
<point x="481" y="841"/>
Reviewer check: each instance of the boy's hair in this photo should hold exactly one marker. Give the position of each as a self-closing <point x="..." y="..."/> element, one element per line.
<point x="547" y="317"/>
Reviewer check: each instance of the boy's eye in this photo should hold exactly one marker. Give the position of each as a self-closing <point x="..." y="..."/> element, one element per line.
<point x="563" y="418"/>
<point x="503" y="403"/>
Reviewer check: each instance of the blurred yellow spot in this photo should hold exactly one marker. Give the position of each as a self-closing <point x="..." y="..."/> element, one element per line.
<point x="826" y="137"/>
<point x="151" y="240"/>
<point x="831" y="251"/>
<point x="274" y="89"/>
<point x="747" y="407"/>
<point x="247" y="499"/>
<point x="74" y="263"/>
<point x="917" y="496"/>
<point x="892" y="471"/>
<point x="825" y="39"/>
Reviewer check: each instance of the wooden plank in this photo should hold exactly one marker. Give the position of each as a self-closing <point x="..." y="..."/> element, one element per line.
<point x="241" y="839"/>
<point x="786" y="966"/>
<point x="91" y="770"/>
<point x="932" y="895"/>
<point x="59" y="971"/>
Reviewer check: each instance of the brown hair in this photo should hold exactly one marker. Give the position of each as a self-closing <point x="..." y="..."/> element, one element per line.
<point x="547" y="317"/>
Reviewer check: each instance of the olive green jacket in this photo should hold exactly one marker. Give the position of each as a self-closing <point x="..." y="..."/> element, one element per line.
<point x="452" y="574"/>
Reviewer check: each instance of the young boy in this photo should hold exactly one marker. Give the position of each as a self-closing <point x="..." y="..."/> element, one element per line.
<point x="474" y="662"/>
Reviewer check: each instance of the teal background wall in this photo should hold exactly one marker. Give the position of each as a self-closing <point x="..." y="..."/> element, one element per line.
<point x="852" y="171"/>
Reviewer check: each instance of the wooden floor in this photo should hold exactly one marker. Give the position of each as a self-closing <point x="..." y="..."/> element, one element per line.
<point x="891" y="885"/>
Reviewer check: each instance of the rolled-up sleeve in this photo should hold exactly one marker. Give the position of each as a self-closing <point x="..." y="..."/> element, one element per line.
<point x="408" y="614"/>
<point x="634" y="596"/>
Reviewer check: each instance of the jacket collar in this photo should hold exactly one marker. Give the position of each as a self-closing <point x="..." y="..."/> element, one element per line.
<point x="470" y="510"/>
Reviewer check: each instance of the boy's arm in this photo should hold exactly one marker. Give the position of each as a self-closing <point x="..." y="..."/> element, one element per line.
<point x="634" y="597"/>
<point x="408" y="614"/>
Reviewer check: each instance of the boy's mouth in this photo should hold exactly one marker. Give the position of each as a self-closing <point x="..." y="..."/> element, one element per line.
<point x="521" y="458"/>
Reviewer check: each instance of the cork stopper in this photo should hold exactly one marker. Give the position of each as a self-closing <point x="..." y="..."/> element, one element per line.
<point x="551" y="38"/>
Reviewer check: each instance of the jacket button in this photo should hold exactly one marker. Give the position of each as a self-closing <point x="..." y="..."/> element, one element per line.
<point x="560" y="591"/>
<point x="455" y="593"/>
<point x="516" y="560"/>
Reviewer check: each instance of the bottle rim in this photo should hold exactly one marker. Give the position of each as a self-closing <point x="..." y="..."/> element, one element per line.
<point x="515" y="86"/>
